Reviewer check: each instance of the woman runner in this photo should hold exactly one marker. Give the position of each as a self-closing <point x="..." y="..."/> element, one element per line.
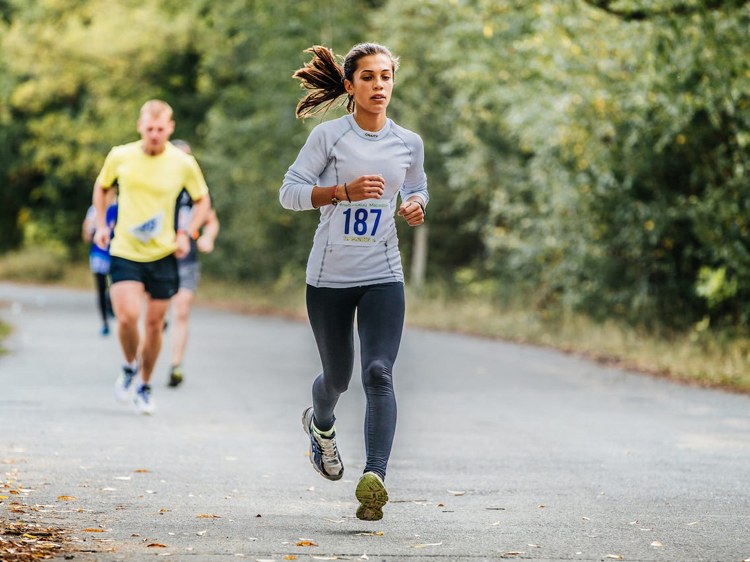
<point x="353" y="169"/>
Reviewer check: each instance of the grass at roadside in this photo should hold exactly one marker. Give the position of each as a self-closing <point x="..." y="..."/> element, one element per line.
<point x="4" y="331"/>
<point x="703" y="357"/>
<point x="699" y="357"/>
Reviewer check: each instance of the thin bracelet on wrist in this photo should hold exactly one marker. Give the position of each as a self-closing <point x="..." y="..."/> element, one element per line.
<point x="346" y="190"/>
<point x="194" y="235"/>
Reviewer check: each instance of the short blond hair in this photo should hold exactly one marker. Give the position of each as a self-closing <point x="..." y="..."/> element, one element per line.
<point x="156" y="108"/>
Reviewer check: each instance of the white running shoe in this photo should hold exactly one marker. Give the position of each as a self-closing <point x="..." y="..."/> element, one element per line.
<point x="144" y="402"/>
<point x="124" y="385"/>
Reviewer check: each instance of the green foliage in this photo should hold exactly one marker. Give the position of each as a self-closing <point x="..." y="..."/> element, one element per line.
<point x="604" y="160"/>
<point x="714" y="286"/>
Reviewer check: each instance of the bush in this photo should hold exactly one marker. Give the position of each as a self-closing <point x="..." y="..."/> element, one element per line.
<point x="40" y="265"/>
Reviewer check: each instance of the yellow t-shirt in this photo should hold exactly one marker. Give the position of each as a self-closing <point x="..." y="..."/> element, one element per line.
<point x="148" y="187"/>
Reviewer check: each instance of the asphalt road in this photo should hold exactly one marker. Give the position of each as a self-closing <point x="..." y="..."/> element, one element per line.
<point x="502" y="451"/>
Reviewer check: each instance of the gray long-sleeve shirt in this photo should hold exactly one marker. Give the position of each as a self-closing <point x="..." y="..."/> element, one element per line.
<point x="355" y="243"/>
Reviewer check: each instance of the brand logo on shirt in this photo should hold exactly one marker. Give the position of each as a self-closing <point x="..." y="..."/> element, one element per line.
<point x="371" y="135"/>
<point x="149" y="229"/>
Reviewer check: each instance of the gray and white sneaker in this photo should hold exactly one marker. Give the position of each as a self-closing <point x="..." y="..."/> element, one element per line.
<point x="324" y="454"/>
<point x="124" y="385"/>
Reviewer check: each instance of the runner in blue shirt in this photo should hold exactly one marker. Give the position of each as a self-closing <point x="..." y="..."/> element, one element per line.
<point x="99" y="258"/>
<point x="353" y="169"/>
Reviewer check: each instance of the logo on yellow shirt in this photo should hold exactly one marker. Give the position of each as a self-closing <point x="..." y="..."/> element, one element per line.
<point x="150" y="229"/>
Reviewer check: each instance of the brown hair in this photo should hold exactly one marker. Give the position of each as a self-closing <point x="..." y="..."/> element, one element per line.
<point x="323" y="76"/>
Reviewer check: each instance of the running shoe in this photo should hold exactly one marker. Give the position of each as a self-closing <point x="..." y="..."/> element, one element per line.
<point x="324" y="455"/>
<point x="105" y="330"/>
<point x="372" y="496"/>
<point x="144" y="403"/>
<point x="124" y="384"/>
<point x="175" y="376"/>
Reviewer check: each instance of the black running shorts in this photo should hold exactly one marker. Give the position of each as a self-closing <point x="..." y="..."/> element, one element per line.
<point x="158" y="277"/>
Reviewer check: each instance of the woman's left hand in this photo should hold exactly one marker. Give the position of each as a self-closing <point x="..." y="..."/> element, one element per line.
<point x="412" y="212"/>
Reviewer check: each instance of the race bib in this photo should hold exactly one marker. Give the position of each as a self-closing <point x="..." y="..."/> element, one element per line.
<point x="150" y="229"/>
<point x="363" y="223"/>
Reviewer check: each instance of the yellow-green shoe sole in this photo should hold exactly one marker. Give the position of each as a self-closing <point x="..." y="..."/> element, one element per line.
<point x="372" y="496"/>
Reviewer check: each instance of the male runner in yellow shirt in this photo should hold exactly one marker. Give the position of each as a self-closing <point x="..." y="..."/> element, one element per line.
<point x="150" y="174"/>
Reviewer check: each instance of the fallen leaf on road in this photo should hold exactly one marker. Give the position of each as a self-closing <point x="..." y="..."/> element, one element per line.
<point x="306" y="542"/>
<point x="141" y="470"/>
<point x="93" y="530"/>
<point x="455" y="493"/>
<point x="373" y="534"/>
<point x="615" y="557"/>
<point x="156" y="545"/>
<point x="425" y="545"/>
<point x="29" y="536"/>
<point x="290" y="557"/>
<point x="656" y="544"/>
<point x="512" y="553"/>
<point x="208" y="516"/>
<point x="67" y="498"/>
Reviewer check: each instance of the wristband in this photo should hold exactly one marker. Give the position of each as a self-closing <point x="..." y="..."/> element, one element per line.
<point x="193" y="235"/>
<point x="347" y="193"/>
<point x="334" y="199"/>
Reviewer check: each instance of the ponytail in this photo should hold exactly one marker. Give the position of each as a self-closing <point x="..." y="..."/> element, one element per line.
<point x="323" y="77"/>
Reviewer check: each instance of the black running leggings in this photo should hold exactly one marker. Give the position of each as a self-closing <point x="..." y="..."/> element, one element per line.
<point x="380" y="321"/>
<point x="102" y="295"/>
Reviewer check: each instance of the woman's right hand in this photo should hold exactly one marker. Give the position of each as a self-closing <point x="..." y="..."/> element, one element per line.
<point x="365" y="187"/>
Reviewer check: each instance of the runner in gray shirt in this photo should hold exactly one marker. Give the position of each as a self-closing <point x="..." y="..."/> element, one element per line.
<point x="353" y="170"/>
